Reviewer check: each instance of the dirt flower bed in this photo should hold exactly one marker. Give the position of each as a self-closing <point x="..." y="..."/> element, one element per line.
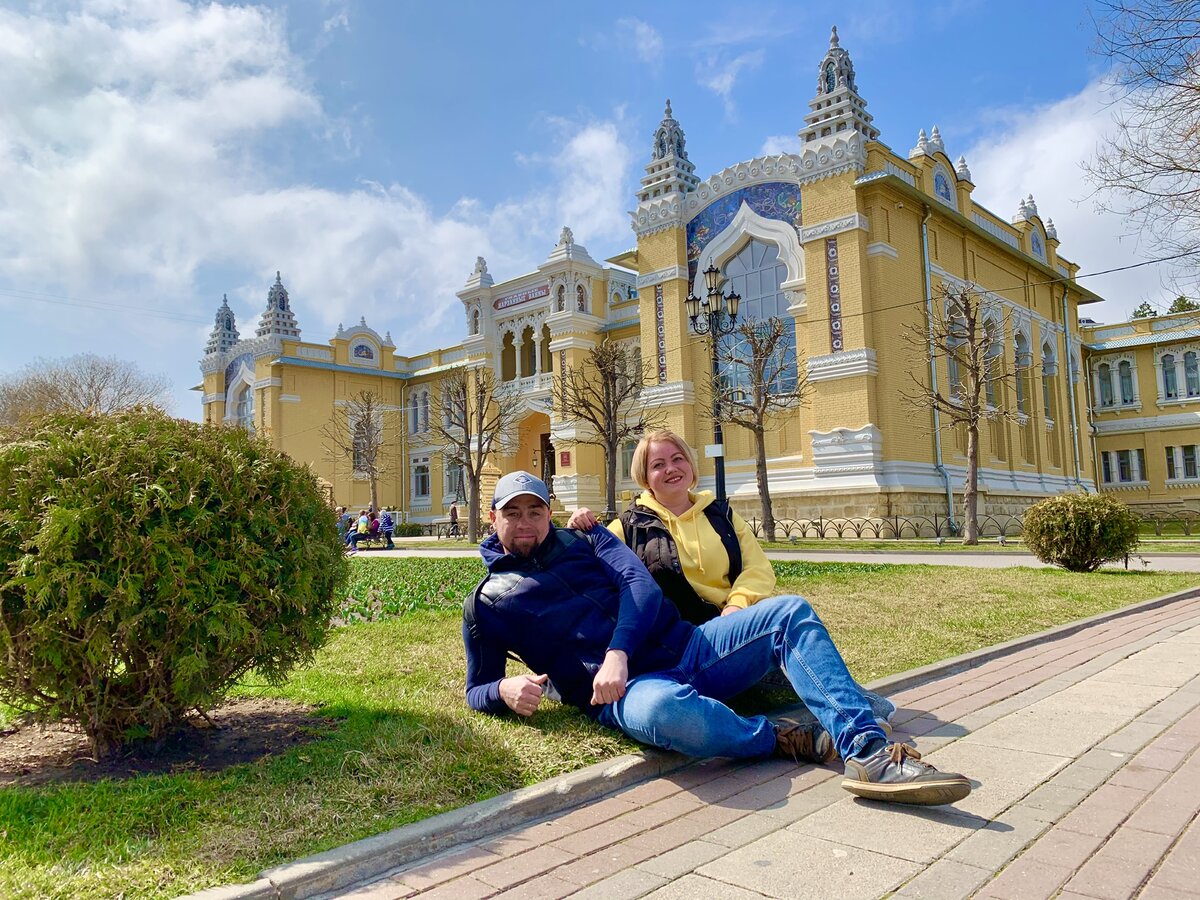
<point x="238" y="731"/>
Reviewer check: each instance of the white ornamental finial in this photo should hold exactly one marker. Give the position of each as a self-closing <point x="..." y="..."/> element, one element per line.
<point x="480" y="265"/>
<point x="667" y="111"/>
<point x="1031" y="206"/>
<point x="1051" y="231"/>
<point x="833" y="38"/>
<point x="935" y="140"/>
<point x="566" y="237"/>
<point x="963" y="172"/>
<point x="922" y="147"/>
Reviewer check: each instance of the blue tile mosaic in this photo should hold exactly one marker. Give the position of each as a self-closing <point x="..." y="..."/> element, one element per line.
<point x="772" y="200"/>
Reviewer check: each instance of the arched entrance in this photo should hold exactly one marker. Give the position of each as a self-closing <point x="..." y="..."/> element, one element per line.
<point x="535" y="451"/>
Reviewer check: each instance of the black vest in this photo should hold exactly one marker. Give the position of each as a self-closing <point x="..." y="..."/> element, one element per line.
<point x="650" y="539"/>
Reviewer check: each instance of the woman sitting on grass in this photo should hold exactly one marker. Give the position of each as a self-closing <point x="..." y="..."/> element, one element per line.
<point x="701" y="553"/>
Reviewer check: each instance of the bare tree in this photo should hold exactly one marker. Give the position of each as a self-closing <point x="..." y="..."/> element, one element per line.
<point x="972" y="349"/>
<point x="603" y="395"/>
<point x="760" y="378"/>
<point x="98" y="384"/>
<point x="1150" y="168"/>
<point x="472" y="418"/>
<point x="358" y="434"/>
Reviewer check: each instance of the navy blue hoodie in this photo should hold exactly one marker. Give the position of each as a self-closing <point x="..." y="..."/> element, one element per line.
<point x="560" y="609"/>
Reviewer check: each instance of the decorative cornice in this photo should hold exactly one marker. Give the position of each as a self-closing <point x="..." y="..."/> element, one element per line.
<point x="652" y="278"/>
<point x="1149" y="423"/>
<point x="834" y="226"/>
<point x="570" y="342"/>
<point x="670" y="394"/>
<point x="844" y="364"/>
<point x="882" y="248"/>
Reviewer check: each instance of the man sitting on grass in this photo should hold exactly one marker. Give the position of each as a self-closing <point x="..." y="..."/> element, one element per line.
<point x="582" y="612"/>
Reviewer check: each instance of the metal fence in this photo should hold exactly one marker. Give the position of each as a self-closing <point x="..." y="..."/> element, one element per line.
<point x="1181" y="522"/>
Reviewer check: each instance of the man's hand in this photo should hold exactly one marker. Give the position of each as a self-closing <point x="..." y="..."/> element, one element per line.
<point x="523" y="693"/>
<point x="609" y="684"/>
<point x="730" y="610"/>
<point x="583" y="519"/>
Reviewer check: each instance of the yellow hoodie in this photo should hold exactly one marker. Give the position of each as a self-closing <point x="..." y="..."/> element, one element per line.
<point x="703" y="558"/>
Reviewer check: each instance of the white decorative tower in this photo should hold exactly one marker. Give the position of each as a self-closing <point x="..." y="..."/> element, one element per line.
<point x="224" y="334"/>
<point x="278" y="318"/>
<point x="669" y="170"/>
<point x="837" y="105"/>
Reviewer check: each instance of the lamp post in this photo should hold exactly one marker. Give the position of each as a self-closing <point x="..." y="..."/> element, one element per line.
<point x="716" y="316"/>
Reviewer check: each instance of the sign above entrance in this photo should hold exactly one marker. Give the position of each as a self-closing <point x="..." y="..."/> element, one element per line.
<point x="521" y="297"/>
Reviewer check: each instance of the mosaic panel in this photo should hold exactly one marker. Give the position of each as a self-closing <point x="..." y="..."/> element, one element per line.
<point x="772" y="200"/>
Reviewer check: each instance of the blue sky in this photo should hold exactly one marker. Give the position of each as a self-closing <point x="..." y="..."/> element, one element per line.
<point x="155" y="154"/>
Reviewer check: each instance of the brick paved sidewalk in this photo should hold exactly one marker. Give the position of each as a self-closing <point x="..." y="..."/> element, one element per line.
<point x="1089" y="785"/>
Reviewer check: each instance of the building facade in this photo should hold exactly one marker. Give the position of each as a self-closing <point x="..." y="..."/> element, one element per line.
<point x="1145" y="381"/>
<point x="846" y="241"/>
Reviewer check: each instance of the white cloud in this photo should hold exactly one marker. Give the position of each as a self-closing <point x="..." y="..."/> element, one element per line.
<point x="647" y="43"/>
<point x="136" y="158"/>
<point x="1041" y="151"/>
<point x="721" y="76"/>
<point x="780" y="143"/>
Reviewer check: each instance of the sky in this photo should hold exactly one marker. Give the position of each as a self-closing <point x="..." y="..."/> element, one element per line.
<point x="156" y="155"/>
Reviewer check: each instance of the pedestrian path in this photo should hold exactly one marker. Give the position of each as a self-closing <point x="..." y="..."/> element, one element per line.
<point x="1084" y="749"/>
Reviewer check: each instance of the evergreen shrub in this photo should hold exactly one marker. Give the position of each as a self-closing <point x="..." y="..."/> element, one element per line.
<point x="147" y="563"/>
<point x="1079" y="531"/>
<point x="409" y="529"/>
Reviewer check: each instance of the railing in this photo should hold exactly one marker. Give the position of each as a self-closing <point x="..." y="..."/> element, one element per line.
<point x="1181" y="522"/>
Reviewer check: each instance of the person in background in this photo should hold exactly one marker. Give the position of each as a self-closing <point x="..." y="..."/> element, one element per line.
<point x="343" y="522"/>
<point x="453" y="532"/>
<point x="582" y="612"/>
<point x="701" y="553"/>
<point x="361" y="531"/>
<point x="387" y="527"/>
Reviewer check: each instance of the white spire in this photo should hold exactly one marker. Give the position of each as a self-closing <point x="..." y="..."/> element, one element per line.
<point x="669" y="170"/>
<point x="278" y="317"/>
<point x="837" y="107"/>
<point x="224" y="334"/>
<point x="962" y="171"/>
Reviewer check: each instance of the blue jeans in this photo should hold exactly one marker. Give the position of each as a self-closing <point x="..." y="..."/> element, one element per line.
<point x="681" y="708"/>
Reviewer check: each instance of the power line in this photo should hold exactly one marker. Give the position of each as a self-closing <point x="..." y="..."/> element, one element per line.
<point x="100" y="305"/>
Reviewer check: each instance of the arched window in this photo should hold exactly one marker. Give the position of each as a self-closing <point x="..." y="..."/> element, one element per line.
<point x="560" y="298"/>
<point x="830" y="78"/>
<point x="1125" y="376"/>
<point x="425" y="411"/>
<point x="508" y="358"/>
<point x="1104" y="377"/>
<point x="1169" y="383"/>
<point x="244" y="411"/>
<point x="580" y="298"/>
<point x="755" y="273"/>
<point x="528" y="349"/>
<point x="1191" y="374"/>
<point x="1024" y="362"/>
<point x="547" y="356"/>
<point x="1049" y="370"/>
<point x="414" y="422"/>
<point x="992" y="360"/>
<point x="475" y="321"/>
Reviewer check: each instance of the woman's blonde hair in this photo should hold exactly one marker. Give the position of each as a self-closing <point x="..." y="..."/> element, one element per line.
<point x="637" y="468"/>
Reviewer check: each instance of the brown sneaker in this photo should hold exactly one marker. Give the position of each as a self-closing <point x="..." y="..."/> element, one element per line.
<point x="894" y="773"/>
<point x="804" y="743"/>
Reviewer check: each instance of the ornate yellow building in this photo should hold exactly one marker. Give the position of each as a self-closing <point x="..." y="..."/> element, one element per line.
<point x="845" y="240"/>
<point x="1145" y="378"/>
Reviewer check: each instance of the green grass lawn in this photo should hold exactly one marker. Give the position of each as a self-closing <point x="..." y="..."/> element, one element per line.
<point x="406" y="747"/>
<point x="1168" y="543"/>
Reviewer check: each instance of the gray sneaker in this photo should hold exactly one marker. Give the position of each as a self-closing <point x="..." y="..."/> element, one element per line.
<point x="894" y="773"/>
<point x="804" y="743"/>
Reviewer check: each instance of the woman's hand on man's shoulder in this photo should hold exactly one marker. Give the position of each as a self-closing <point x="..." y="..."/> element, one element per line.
<point x="583" y="519"/>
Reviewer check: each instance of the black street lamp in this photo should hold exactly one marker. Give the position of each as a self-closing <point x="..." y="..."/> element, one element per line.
<point x="716" y="316"/>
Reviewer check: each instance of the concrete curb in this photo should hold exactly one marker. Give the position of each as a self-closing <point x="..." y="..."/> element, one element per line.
<point x="366" y="858"/>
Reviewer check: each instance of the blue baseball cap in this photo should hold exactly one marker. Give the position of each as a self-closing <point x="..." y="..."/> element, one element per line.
<point x="514" y="484"/>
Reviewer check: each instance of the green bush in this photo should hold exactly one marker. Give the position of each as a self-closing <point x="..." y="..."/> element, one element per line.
<point x="1080" y="531"/>
<point x="409" y="529"/>
<point x="147" y="563"/>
